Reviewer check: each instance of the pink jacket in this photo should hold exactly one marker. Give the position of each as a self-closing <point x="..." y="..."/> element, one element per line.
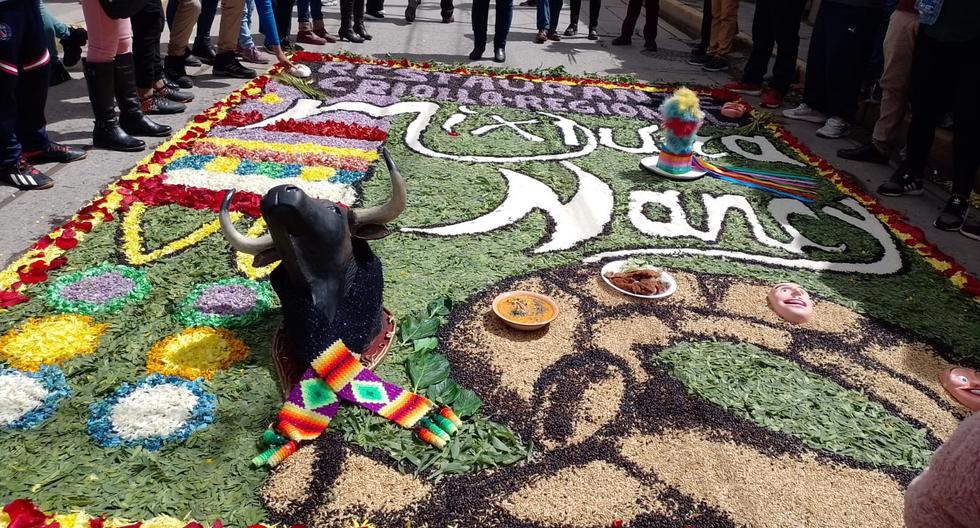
<point x="947" y="493"/>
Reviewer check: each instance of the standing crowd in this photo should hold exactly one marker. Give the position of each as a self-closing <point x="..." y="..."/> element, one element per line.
<point x="922" y="53"/>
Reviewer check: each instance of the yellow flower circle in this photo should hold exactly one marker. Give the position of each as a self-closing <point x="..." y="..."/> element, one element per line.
<point x="196" y="353"/>
<point x="50" y="340"/>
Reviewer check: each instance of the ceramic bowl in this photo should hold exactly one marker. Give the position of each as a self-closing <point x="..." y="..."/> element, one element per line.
<point x="524" y="326"/>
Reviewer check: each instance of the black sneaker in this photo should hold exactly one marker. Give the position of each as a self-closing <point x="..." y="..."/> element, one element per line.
<point x="622" y="40"/>
<point x="72" y="44"/>
<point x="174" y="71"/>
<point x="954" y="214"/>
<point x="901" y="184"/>
<point x="24" y="176"/>
<point x="157" y="105"/>
<point x="714" y="64"/>
<point x="202" y="49"/>
<point x="650" y="45"/>
<point x="227" y="65"/>
<point x="867" y="152"/>
<point x="173" y="93"/>
<point x="190" y="60"/>
<point x="971" y="230"/>
<point x="377" y="15"/>
<point x="59" y="74"/>
<point x="289" y="47"/>
<point x="698" y="60"/>
<point x="55" y="153"/>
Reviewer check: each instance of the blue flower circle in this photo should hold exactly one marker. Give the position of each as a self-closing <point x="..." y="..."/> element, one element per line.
<point x="36" y="395"/>
<point x="152" y="412"/>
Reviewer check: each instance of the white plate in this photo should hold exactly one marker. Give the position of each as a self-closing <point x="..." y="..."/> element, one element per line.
<point x="650" y="164"/>
<point x="617" y="265"/>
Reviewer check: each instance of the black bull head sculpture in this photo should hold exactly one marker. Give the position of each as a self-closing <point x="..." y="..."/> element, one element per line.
<point x="329" y="281"/>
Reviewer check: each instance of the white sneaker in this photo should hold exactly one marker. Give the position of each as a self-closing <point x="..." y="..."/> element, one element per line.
<point x="805" y="113"/>
<point x="834" y="128"/>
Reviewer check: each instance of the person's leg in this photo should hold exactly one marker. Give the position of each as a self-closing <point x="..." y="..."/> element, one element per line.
<point x="316" y="9"/>
<point x="899" y="50"/>
<point x="594" y="7"/>
<point x="504" y="11"/>
<point x="724" y="25"/>
<point x="815" y="82"/>
<point x="49" y="32"/>
<point x="928" y="104"/>
<point x="302" y="12"/>
<point x="245" y="41"/>
<point x="574" y="7"/>
<point x="785" y="22"/>
<point x="478" y="21"/>
<point x="209" y="10"/>
<point x="231" y="24"/>
<point x="146" y="43"/>
<point x="705" y="27"/>
<point x="446" y="10"/>
<point x="554" y="13"/>
<point x="375" y="6"/>
<point x="13" y="16"/>
<point x="629" y="21"/>
<point x="182" y="15"/>
<point x="850" y="47"/>
<point x="764" y="22"/>
<point x="24" y="72"/>
<point x="543" y="12"/>
<point x="966" y="113"/>
<point x="284" y="15"/>
<point x="650" y="28"/>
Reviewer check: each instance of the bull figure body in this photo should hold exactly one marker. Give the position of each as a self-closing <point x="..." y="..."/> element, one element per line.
<point x="329" y="281"/>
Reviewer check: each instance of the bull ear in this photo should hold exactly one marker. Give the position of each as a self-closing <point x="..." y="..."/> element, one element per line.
<point x="369" y="231"/>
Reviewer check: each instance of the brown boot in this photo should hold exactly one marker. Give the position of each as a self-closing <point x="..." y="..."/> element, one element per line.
<point x="305" y="35"/>
<point x="321" y="32"/>
<point x="541" y="37"/>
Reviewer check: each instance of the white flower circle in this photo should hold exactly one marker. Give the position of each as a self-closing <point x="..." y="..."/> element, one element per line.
<point x="153" y="411"/>
<point x="19" y="395"/>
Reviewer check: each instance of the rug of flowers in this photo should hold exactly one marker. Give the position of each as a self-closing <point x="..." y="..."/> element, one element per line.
<point x="136" y="380"/>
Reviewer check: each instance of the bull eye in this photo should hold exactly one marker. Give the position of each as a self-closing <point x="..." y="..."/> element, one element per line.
<point x="336" y="209"/>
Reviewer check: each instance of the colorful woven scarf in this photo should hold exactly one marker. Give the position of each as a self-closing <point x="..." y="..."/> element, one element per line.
<point x="337" y="374"/>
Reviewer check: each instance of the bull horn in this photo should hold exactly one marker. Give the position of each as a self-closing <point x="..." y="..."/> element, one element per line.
<point x="382" y="214"/>
<point x="252" y="246"/>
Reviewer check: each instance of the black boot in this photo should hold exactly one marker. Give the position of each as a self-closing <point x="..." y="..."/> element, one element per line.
<point x="202" y="49"/>
<point x="347" y="22"/>
<point x="359" y="20"/>
<point x="59" y="74"/>
<point x="131" y="117"/>
<point x="174" y="68"/>
<point x="107" y="134"/>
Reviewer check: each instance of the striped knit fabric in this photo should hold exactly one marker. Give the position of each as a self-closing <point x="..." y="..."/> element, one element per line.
<point x="308" y="409"/>
<point x="674" y="163"/>
<point x="336" y="375"/>
<point x="352" y="382"/>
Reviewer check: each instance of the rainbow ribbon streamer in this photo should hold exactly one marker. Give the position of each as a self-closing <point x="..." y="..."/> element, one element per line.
<point x="802" y="188"/>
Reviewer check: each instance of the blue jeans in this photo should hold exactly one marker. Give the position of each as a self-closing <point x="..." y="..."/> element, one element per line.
<point x="53" y="28"/>
<point x="305" y="8"/>
<point x="245" y="34"/>
<point x="548" y="14"/>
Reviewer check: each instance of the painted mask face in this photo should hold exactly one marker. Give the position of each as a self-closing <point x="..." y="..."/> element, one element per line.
<point x="791" y="302"/>
<point x="964" y="385"/>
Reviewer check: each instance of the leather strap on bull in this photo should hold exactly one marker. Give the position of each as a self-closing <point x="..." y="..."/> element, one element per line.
<point x="335" y="375"/>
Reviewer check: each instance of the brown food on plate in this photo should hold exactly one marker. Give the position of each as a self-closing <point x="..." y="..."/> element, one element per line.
<point x="640" y="282"/>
